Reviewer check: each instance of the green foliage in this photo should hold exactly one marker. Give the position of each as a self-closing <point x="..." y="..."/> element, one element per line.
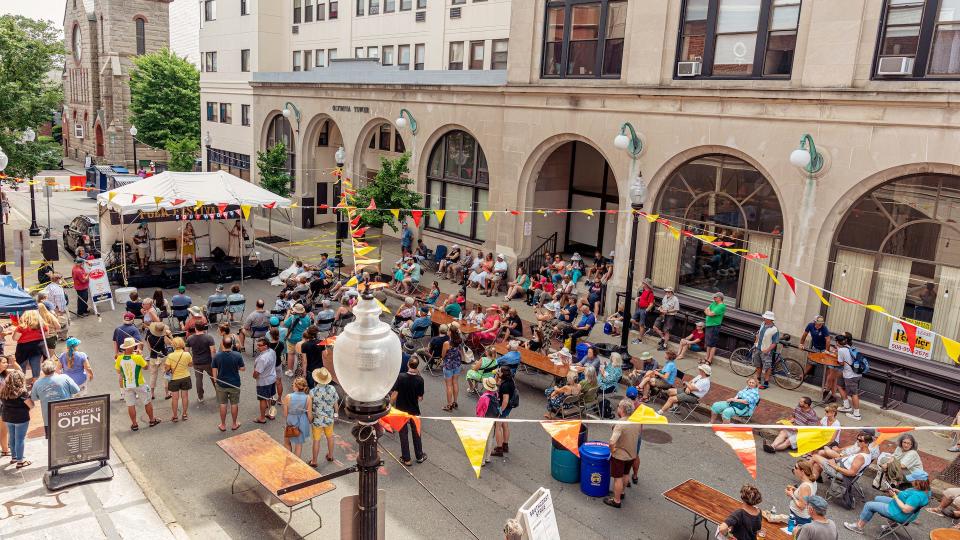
<point x="272" y="164"/>
<point x="390" y="188"/>
<point x="164" y="98"/>
<point x="57" y="133"/>
<point x="29" y="49"/>
<point x="183" y="153"/>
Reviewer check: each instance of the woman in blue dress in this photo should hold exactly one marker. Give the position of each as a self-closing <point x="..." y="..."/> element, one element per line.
<point x="298" y="410"/>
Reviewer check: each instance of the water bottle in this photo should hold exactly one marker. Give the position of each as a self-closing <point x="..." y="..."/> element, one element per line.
<point x="791" y="523"/>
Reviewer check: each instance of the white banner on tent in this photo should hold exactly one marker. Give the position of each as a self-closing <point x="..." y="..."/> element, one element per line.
<point x="99" y="284"/>
<point x="537" y="517"/>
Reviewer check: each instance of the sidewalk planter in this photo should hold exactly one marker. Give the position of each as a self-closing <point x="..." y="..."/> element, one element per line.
<point x="595" y="468"/>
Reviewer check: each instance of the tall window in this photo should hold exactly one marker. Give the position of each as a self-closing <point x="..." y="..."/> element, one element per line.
<point x="389" y="6"/>
<point x="584" y="38"/>
<point x="725" y="197"/>
<point x="296" y="11"/>
<point x="244" y="115"/>
<point x="373" y="51"/>
<point x="244" y="60"/>
<point x="403" y="56"/>
<point x="279" y="131"/>
<point x="244" y="7"/>
<point x="456" y="55"/>
<point x="406" y="5"/>
<point x="307" y="11"/>
<point x="358" y="52"/>
<point x="499" y="58"/>
<point x="738" y="38"/>
<point x="211" y="111"/>
<point x="319" y="58"/>
<point x="899" y="246"/>
<point x="359" y="8"/>
<point x="384" y="137"/>
<point x="458" y="179"/>
<point x="210" y="10"/>
<point x="334" y="9"/>
<point x="226" y="113"/>
<point x="331" y="55"/>
<point x="387" y="57"/>
<point x="210" y="61"/>
<point x="323" y="139"/>
<point x="476" y="54"/>
<point x="919" y="39"/>
<point x="419" y="56"/>
<point x="321" y="11"/>
<point x="307" y="60"/>
<point x="297" y="60"/>
<point x="141" y="36"/>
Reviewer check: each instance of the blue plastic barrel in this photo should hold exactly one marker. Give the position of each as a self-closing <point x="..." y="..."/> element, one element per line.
<point x="595" y="468"/>
<point x="564" y="465"/>
<point x="582" y="350"/>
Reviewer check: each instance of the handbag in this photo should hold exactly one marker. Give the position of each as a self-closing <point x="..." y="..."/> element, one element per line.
<point x="290" y="432"/>
<point x="168" y="373"/>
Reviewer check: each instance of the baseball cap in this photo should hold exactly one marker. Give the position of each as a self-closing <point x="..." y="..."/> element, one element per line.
<point x="632" y="392"/>
<point x="181" y="289"/>
<point x="919" y="475"/>
<point x="274" y="321"/>
<point x="128" y="316"/>
<point x="818" y="503"/>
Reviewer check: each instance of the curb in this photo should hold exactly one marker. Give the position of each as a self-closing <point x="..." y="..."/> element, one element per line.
<point x="155" y="500"/>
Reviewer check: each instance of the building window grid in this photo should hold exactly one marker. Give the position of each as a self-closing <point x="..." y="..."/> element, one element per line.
<point x="389" y="6"/>
<point x="386" y="55"/>
<point x="403" y="56"/>
<point x="331" y="55"/>
<point x="244" y="115"/>
<point x="212" y="111"/>
<point x="319" y="58"/>
<point x="927" y="31"/>
<point x="297" y="60"/>
<point x="307" y="11"/>
<point x="421" y="4"/>
<point x="226" y="113"/>
<point x="373" y="51"/>
<point x="498" y="55"/>
<point x="592" y="43"/>
<point x="321" y="11"/>
<point x="244" y="7"/>
<point x="406" y="5"/>
<point x="334" y="9"/>
<point x="374" y="7"/>
<point x="307" y="60"/>
<point x="297" y="11"/>
<point x="477" y="49"/>
<point x="359" y="11"/>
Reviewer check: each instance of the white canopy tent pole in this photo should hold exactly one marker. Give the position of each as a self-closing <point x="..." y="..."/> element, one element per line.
<point x="243" y="248"/>
<point x="181" y="254"/>
<point x="123" y="249"/>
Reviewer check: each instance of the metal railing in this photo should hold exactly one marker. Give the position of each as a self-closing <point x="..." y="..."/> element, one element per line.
<point x="537" y="256"/>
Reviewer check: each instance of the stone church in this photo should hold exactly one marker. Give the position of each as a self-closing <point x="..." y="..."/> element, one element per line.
<point x="102" y="37"/>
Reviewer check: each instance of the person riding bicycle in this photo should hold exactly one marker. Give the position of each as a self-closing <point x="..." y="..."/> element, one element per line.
<point x="764" y="349"/>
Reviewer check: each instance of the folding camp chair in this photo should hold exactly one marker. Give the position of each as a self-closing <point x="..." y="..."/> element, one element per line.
<point x="894" y="527"/>
<point x="570" y="407"/>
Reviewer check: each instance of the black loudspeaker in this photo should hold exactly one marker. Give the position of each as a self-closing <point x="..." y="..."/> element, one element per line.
<point x="265" y="269"/>
<point x="306" y="212"/>
<point x="218" y="254"/>
<point x="343" y="230"/>
<point x="222" y="272"/>
<point x="50" y="249"/>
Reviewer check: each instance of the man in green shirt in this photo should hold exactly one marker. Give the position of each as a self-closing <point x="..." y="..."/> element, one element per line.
<point x="452" y="308"/>
<point x="714" y="319"/>
<point x="130" y="367"/>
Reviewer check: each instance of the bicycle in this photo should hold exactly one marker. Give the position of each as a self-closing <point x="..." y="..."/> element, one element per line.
<point x="787" y="372"/>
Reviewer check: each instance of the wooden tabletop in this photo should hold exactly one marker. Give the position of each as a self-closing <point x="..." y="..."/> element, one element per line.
<point x="715" y="506"/>
<point x="945" y="534"/>
<point x="273" y="466"/>
<point x="824" y="358"/>
<point x="536" y="360"/>
<point x="441" y="317"/>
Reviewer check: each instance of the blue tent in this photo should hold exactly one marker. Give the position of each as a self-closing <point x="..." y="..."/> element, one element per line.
<point x="13" y="299"/>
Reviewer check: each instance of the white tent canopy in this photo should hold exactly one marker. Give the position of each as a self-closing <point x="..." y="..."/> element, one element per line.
<point x="189" y="187"/>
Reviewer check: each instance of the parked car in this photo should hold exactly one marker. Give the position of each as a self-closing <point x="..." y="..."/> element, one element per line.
<point x="82" y="231"/>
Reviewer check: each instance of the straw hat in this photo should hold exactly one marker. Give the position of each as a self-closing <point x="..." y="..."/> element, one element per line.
<point x="158" y="329"/>
<point x="299" y="309"/>
<point x="129" y="343"/>
<point x="645" y="355"/>
<point x="490" y="384"/>
<point x="322" y="376"/>
<point x="196" y="311"/>
<point x="564" y="352"/>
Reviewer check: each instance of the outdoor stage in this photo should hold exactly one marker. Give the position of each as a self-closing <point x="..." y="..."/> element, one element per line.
<point x="166" y="274"/>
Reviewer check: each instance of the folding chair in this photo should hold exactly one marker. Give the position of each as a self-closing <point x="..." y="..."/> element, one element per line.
<point x="215" y="309"/>
<point x="324" y="325"/>
<point x="841" y="486"/>
<point x="894" y="527"/>
<point x="570" y="407"/>
<point x="686" y="409"/>
<point x="589" y="401"/>
<point x="237" y="308"/>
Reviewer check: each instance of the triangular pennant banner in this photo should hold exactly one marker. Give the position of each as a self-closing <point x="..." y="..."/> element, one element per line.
<point x="135" y="197"/>
<point x="110" y="196"/>
<point x="952" y="347"/>
<point x="360" y="232"/>
<point x="706" y="238"/>
<point x="351" y="282"/>
<point x="486" y="215"/>
<point x="221" y="207"/>
<point x="874" y="307"/>
<point x="810" y="439"/>
<point x="157" y="200"/>
<point x="773" y="274"/>
<point x="395" y="212"/>
<point x="911" y="332"/>
<point x="294" y="205"/>
<point x="567" y="433"/>
<point x="517" y="212"/>
<point x="741" y="441"/>
<point x="417" y="215"/>
<point x="439" y="214"/>
<point x="355" y="221"/>
<point x="197" y="205"/>
<point x="361" y="251"/>
<point x="473" y="433"/>
<point x="849" y="300"/>
<point x="674" y="231"/>
<point x="819" y="294"/>
<point x="396" y="419"/>
<point x="737" y="250"/>
<point x="245" y="208"/>
<point x="588" y="211"/>
<point x="646" y="415"/>
<point x="790" y="281"/>
<point x="462" y="216"/>
<point x="270" y="205"/>
<point x="652" y="217"/>
<point x="372" y="206"/>
<point x="385" y="309"/>
<point x="686" y="233"/>
<point x="885" y="433"/>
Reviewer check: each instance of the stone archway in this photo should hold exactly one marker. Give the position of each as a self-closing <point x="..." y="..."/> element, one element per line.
<point x="321" y="140"/>
<point x="378" y="138"/>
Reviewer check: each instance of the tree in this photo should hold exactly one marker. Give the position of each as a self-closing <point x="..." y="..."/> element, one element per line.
<point x="272" y="164"/>
<point x="29" y="49"/>
<point x="164" y="98"/>
<point x="183" y="153"/>
<point x="389" y="189"/>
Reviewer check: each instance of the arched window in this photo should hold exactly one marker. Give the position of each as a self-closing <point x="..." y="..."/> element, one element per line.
<point x="77" y="43"/>
<point x="726" y="197"/>
<point x="899" y="248"/>
<point x="141" y="36"/>
<point x="457" y="179"/>
<point x="279" y="131"/>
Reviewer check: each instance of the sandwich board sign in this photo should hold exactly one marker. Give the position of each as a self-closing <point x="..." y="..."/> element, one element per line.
<point x="537" y="517"/>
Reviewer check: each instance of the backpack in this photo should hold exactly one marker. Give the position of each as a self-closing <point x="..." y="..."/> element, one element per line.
<point x="860" y="364"/>
<point x="514" y="399"/>
<point x="493" y="407"/>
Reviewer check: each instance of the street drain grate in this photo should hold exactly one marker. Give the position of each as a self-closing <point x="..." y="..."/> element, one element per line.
<point x="272" y="239"/>
<point x="951" y="474"/>
<point x="655" y="436"/>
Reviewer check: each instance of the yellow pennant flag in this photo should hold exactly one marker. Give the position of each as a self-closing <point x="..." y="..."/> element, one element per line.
<point x="706" y="238"/>
<point x="439" y="214"/>
<point x="653" y="217"/>
<point x="383" y="307"/>
<point x="674" y="231"/>
<point x="588" y="211"/>
<point x="473" y="433"/>
<point x="486" y="217"/>
<point x="110" y="196"/>
<point x="811" y="439"/>
<point x="395" y="212"/>
<point x="773" y="274"/>
<point x="245" y="208"/>
<point x="542" y="212"/>
<point x="952" y="347"/>
<point x="198" y="205"/>
<point x="361" y="251"/>
<point x="294" y="205"/>
<point x="351" y="282"/>
<point x="736" y="250"/>
<point x="819" y="293"/>
<point x="365" y="262"/>
<point x="157" y="200"/>
<point x="874" y="307"/>
<point x="646" y="415"/>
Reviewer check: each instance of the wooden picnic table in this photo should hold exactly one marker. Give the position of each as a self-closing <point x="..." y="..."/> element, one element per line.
<point x="710" y="505"/>
<point x="945" y="534"/>
<point x="536" y="360"/>
<point x="438" y="317"/>
<point x="275" y="468"/>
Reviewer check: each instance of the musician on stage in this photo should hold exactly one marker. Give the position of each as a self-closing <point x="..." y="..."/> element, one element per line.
<point x="233" y="251"/>
<point x="189" y="247"/>
<point x="142" y="242"/>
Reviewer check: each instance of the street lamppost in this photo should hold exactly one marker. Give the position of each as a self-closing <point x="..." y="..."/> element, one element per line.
<point x="288" y="109"/>
<point x="133" y="137"/>
<point x="341" y="158"/>
<point x="366" y="358"/>
<point x="28" y="137"/>
<point x="3" y="241"/>
<point x="628" y="140"/>
<point x="402" y="124"/>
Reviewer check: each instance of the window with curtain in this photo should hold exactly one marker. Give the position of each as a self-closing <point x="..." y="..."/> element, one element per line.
<point x="458" y="179"/>
<point x="726" y="197"/>
<point x="584" y="38"/>
<point x="280" y="131"/>
<point x="899" y="247"/>
<point x="921" y="38"/>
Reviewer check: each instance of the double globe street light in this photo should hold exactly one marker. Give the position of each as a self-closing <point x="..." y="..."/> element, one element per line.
<point x="28" y="137"/>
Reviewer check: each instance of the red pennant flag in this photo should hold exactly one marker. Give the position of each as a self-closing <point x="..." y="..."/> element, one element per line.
<point x="723" y="244"/>
<point x="741" y="441"/>
<point x="751" y="256"/>
<point x="373" y="205"/>
<point x="221" y="207"/>
<point x="461" y="216"/>
<point x="178" y="202"/>
<point x="664" y="222"/>
<point x="566" y="433"/>
<point x="911" y="333"/>
<point x="611" y="212"/>
<point x="355" y="221"/>
<point x="270" y="205"/>
<point x="135" y="197"/>
<point x="324" y="206"/>
<point x="856" y="302"/>
<point x="396" y="419"/>
<point x="359" y="232"/>
<point x="515" y="212"/>
<point x="417" y="215"/>
<point x="686" y="232"/>
<point x="790" y="281"/>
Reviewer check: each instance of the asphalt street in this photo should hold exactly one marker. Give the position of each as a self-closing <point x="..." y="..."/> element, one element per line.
<point x="440" y="498"/>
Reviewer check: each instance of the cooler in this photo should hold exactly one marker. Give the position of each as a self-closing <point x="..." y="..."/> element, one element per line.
<point x="595" y="468"/>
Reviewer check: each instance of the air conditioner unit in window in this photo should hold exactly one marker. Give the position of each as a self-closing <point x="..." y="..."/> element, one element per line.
<point x="455" y="13"/>
<point x="296" y="29"/>
<point x="688" y="69"/>
<point x="895" y="65"/>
